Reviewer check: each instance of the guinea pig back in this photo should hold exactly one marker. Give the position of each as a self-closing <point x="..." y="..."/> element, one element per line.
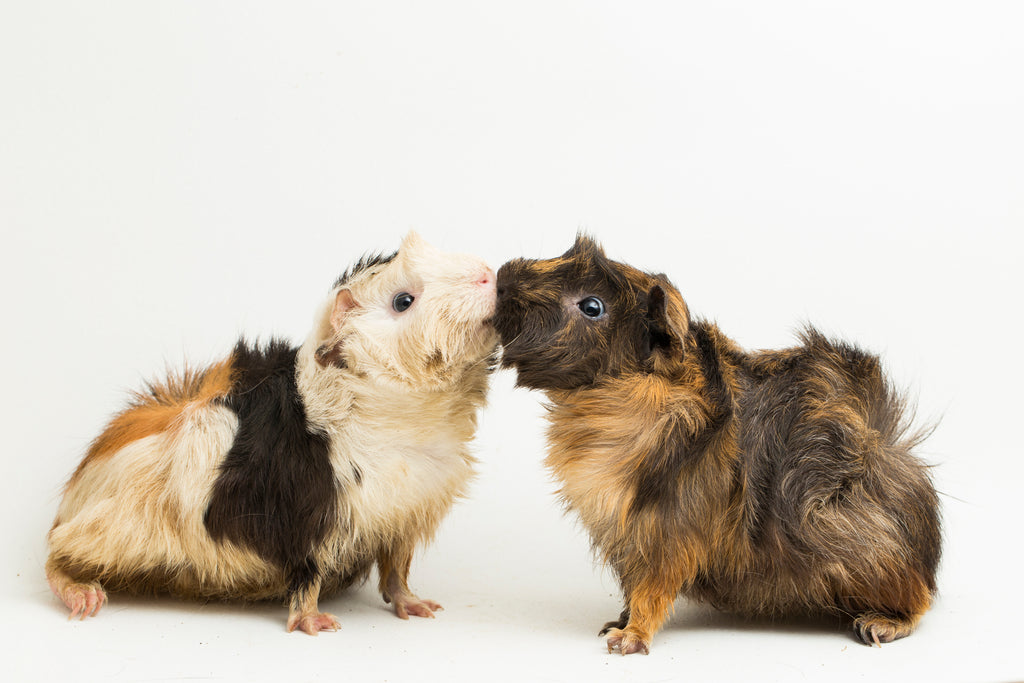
<point x="288" y="472"/>
<point x="764" y="483"/>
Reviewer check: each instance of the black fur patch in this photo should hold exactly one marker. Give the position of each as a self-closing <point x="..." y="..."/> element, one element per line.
<point x="770" y="408"/>
<point x="658" y="481"/>
<point x="331" y="354"/>
<point x="717" y="392"/>
<point x="276" y="493"/>
<point x="365" y="263"/>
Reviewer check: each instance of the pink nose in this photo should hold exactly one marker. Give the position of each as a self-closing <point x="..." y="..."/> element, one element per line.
<point x="486" y="279"/>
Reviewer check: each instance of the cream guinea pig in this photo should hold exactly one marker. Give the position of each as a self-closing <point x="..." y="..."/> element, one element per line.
<point x="286" y="472"/>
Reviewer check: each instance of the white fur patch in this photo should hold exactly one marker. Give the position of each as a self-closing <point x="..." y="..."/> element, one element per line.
<point x="140" y="510"/>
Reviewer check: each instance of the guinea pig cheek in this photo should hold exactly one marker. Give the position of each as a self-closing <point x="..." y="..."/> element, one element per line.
<point x="485" y="299"/>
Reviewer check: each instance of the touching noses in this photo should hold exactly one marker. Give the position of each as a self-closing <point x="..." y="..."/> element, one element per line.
<point x="486" y="278"/>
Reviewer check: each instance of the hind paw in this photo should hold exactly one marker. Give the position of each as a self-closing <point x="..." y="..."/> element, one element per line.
<point x="83" y="599"/>
<point x="874" y="628"/>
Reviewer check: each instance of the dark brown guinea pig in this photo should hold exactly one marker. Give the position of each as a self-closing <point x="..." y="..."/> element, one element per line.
<point x="764" y="483"/>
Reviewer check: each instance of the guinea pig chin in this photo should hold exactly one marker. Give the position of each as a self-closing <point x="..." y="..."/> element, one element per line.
<point x="545" y="371"/>
<point x="510" y="322"/>
<point x="537" y="362"/>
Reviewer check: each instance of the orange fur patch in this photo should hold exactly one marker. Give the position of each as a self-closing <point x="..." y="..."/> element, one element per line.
<point x="157" y="410"/>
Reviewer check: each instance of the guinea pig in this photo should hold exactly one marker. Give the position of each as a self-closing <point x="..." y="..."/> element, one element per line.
<point x="286" y="472"/>
<point x="765" y="483"/>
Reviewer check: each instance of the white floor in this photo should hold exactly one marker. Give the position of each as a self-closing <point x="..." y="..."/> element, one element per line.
<point x="523" y="601"/>
<point x="172" y="175"/>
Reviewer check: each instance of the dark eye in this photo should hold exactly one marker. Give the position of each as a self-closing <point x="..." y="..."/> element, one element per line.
<point x="592" y="307"/>
<point x="402" y="302"/>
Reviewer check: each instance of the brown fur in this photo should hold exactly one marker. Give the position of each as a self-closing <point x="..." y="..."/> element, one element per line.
<point x="765" y="483"/>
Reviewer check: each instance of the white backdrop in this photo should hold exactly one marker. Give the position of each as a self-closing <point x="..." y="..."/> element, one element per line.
<point x="173" y="174"/>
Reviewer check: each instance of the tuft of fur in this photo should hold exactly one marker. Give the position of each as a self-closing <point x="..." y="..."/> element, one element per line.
<point x="764" y="483"/>
<point x="289" y="472"/>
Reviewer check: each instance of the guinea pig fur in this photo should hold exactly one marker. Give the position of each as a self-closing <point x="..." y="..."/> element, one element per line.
<point x="286" y="473"/>
<point x="764" y="483"/>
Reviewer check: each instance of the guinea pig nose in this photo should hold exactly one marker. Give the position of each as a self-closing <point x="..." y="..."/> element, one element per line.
<point x="486" y="278"/>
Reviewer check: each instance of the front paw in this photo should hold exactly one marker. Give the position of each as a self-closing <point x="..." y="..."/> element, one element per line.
<point x="313" y="623"/>
<point x="627" y="642"/>
<point x="406" y="605"/>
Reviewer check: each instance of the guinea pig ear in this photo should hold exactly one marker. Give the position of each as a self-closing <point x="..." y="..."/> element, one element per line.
<point x="329" y="351"/>
<point x="414" y="248"/>
<point x="664" y="335"/>
<point x="343" y="303"/>
<point x="414" y="242"/>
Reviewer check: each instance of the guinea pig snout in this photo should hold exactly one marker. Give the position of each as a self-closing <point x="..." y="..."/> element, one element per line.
<point x="483" y="288"/>
<point x="506" y="279"/>
<point x="486" y="278"/>
<point x="486" y="284"/>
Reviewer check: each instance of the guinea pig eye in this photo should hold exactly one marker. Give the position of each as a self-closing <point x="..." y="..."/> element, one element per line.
<point x="592" y="307"/>
<point x="402" y="302"/>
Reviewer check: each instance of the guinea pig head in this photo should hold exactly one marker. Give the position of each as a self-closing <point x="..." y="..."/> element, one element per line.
<point x="417" y="316"/>
<point x="569" y="322"/>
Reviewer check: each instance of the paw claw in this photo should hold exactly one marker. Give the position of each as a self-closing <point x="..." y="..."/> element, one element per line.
<point x="83" y="599"/>
<point x="875" y="629"/>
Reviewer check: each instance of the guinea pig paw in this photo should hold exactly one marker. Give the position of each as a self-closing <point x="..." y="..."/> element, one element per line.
<point x="875" y="629"/>
<point x="626" y="642"/>
<point x="313" y="623"/>
<point x="83" y="599"/>
<point x="412" y="605"/>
